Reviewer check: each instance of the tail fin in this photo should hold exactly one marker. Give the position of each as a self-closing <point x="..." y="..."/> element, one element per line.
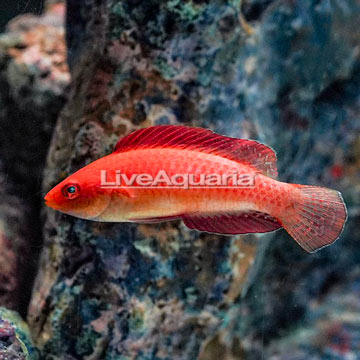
<point x="319" y="218"/>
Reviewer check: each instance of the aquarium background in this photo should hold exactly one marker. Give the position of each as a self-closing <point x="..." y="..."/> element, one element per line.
<point x="284" y="72"/>
<point x="10" y="9"/>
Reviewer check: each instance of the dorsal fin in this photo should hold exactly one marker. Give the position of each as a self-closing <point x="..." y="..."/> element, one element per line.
<point x="245" y="151"/>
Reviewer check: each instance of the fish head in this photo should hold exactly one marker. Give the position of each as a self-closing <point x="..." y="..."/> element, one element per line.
<point x="79" y="195"/>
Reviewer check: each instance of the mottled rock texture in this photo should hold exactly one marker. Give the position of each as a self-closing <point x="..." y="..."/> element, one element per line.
<point x="117" y="291"/>
<point x="305" y="100"/>
<point x="330" y="330"/>
<point x="15" y="341"/>
<point x="121" y="291"/>
<point x="33" y="77"/>
<point x="160" y="291"/>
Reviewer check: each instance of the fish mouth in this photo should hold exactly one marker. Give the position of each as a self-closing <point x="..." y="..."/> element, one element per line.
<point x="47" y="199"/>
<point x="51" y="203"/>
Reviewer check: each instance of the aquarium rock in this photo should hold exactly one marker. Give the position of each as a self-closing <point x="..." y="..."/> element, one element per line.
<point x="15" y="341"/>
<point x="33" y="78"/>
<point x="283" y="72"/>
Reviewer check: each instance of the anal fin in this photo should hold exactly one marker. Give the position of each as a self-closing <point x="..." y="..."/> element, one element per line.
<point x="232" y="224"/>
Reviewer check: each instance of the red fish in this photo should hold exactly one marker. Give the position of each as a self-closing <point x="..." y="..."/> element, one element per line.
<point x="213" y="183"/>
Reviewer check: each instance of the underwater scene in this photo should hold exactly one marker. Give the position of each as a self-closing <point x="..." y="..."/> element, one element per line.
<point x="180" y="180"/>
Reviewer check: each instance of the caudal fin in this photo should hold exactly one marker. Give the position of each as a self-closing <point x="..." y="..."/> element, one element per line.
<point x="317" y="217"/>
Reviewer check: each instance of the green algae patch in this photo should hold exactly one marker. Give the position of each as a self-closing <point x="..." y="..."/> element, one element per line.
<point x="187" y="11"/>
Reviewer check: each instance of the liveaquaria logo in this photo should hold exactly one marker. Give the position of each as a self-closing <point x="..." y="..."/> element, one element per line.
<point x="182" y="181"/>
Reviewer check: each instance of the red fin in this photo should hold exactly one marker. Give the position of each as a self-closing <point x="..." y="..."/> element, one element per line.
<point x="249" y="152"/>
<point x="319" y="218"/>
<point x="232" y="224"/>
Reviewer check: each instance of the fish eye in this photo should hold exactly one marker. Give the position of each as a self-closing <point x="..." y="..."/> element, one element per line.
<point x="71" y="191"/>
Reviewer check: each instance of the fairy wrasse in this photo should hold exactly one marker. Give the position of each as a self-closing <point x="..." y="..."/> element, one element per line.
<point x="213" y="183"/>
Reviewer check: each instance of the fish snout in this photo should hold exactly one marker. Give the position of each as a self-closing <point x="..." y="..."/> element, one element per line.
<point x="50" y="200"/>
<point x="47" y="198"/>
